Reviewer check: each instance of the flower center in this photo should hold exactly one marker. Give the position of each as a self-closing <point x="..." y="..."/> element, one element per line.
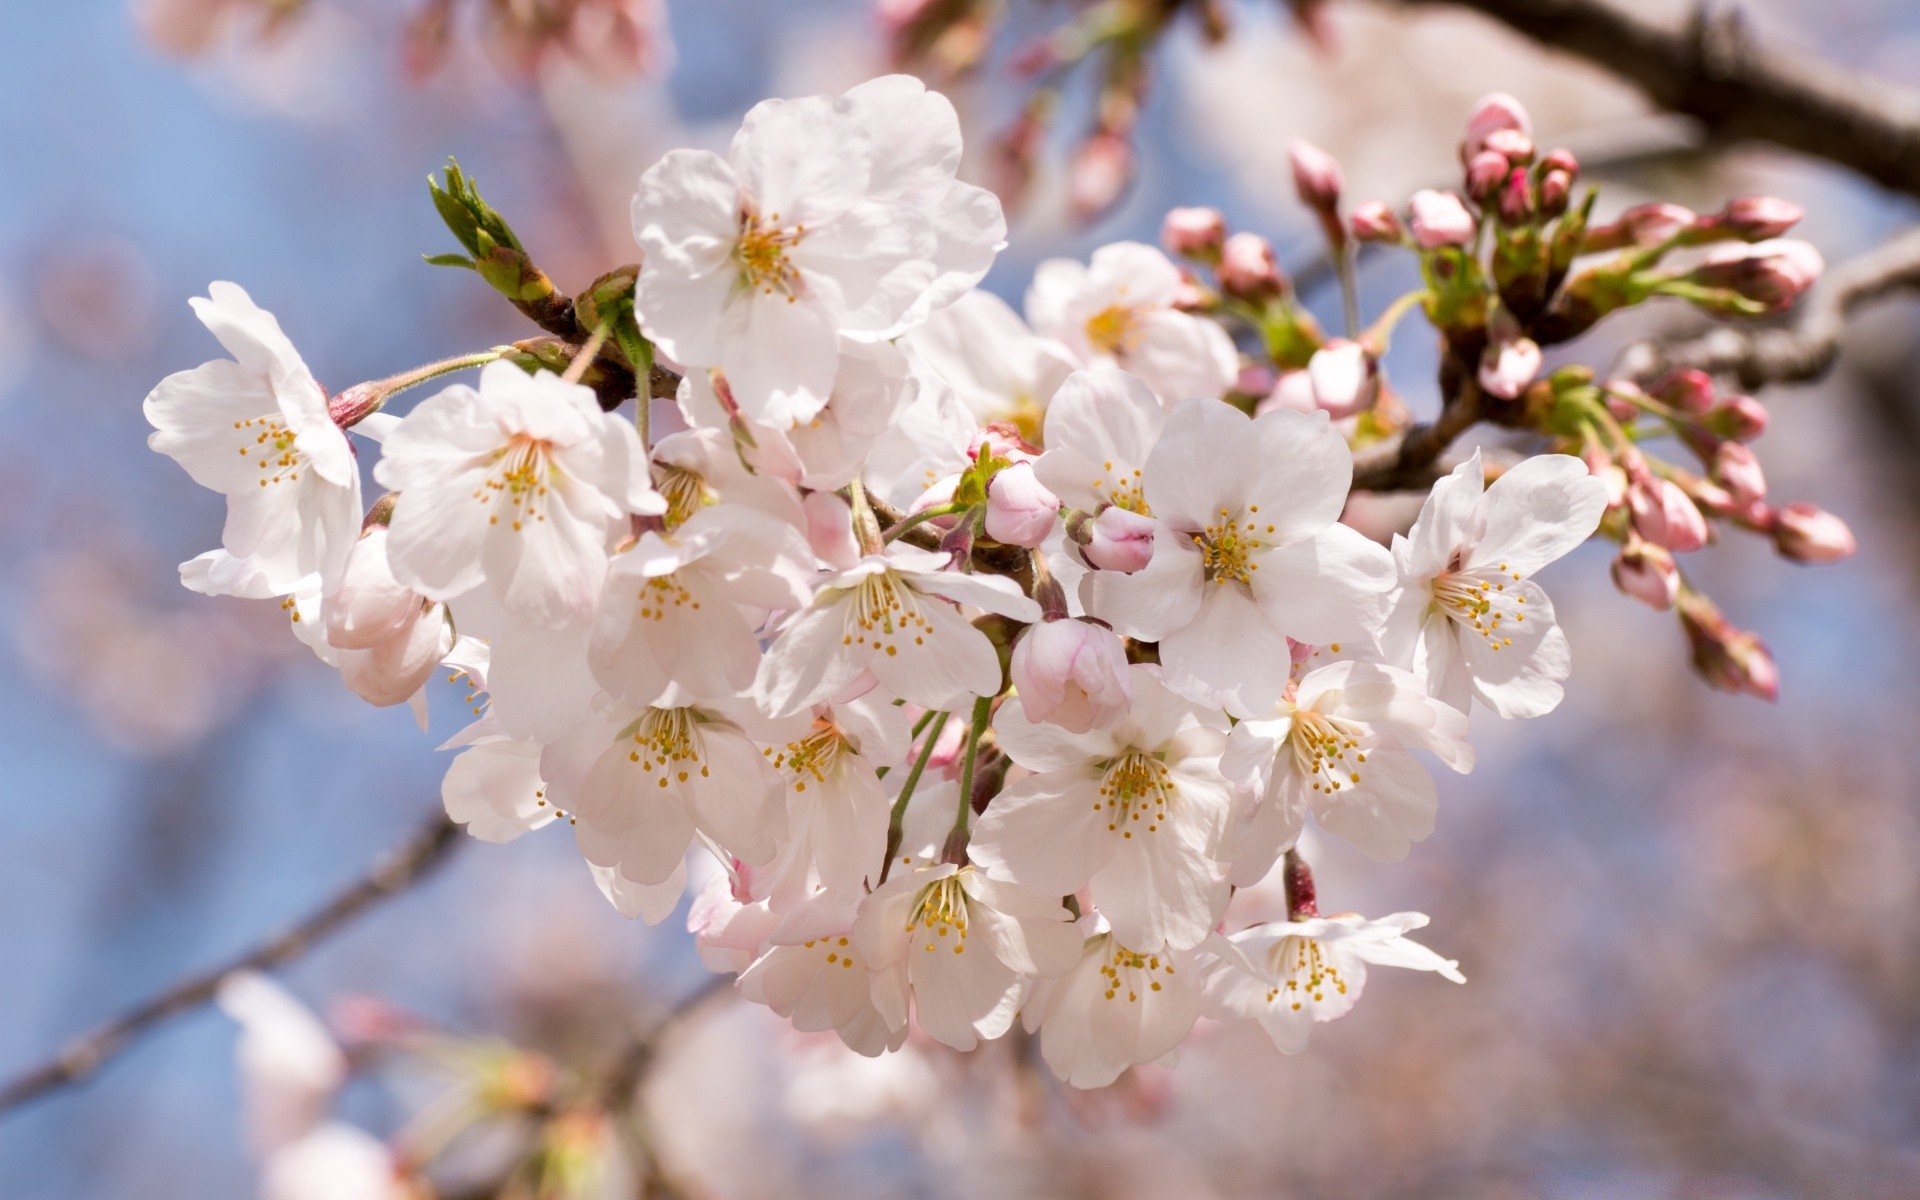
<point x="521" y="469"/>
<point x="812" y="757"/>
<point x="761" y="252"/>
<point x="1122" y="488"/>
<point x="667" y="744"/>
<point x="663" y="592"/>
<point x="1126" y="970"/>
<point x="1227" y="547"/>
<point x="1480" y="603"/>
<point x="940" y="912"/>
<point x="1113" y="330"/>
<point x="1326" y="750"/>
<point x="883" y="610"/>
<point x="270" y="444"/>
<point x="1136" y="786"/>
<point x="1303" y="971"/>
<point x="685" y="492"/>
<point x="838" y="952"/>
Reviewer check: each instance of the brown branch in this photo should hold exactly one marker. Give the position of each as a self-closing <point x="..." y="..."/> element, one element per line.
<point x="396" y="871"/>
<point x="1409" y="460"/>
<point x="1711" y="68"/>
<point x="1798" y="352"/>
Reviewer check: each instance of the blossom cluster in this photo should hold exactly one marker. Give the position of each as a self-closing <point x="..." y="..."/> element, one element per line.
<point x="962" y="663"/>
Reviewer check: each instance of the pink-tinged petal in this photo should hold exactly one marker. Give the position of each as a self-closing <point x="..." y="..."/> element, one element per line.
<point x="1523" y="677"/>
<point x="1207" y="460"/>
<point x="539" y="681"/>
<point x="1307" y="468"/>
<point x="1329" y="588"/>
<point x="1040" y="746"/>
<point x="625" y="820"/>
<point x="880" y="928"/>
<point x="1447" y="521"/>
<point x="1047" y="832"/>
<point x="1231" y="655"/>
<point x="1440" y="660"/>
<point x="962" y="999"/>
<point x="941" y="666"/>
<point x="1182" y="357"/>
<point x="652" y="903"/>
<point x="495" y="790"/>
<point x="209" y="420"/>
<point x="1027" y="928"/>
<point x="780" y="357"/>
<point x="737" y="798"/>
<point x="1101" y="425"/>
<point x="1155" y="601"/>
<point x="812" y="658"/>
<point x="991" y="593"/>
<point x="1537" y="511"/>
<point x="1158" y="890"/>
<point x="1391" y="807"/>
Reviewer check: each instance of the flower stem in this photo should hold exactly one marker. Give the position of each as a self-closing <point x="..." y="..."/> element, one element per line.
<point x="924" y="515"/>
<point x="866" y="526"/>
<point x="956" y="848"/>
<point x="1349" y="288"/>
<point x="363" y="399"/>
<point x="588" y="352"/>
<point x="899" y="813"/>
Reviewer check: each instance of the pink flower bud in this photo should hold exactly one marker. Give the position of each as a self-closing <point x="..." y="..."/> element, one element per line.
<point x="1248" y="270"/>
<point x="1736" y="469"/>
<point x="1316" y="176"/>
<point x="1647" y="573"/>
<point x="1119" y="540"/>
<point x="1758" y="218"/>
<point x="1375" y="222"/>
<point x="1486" y="174"/>
<point x="1741" y="418"/>
<point x="1516" y="198"/>
<point x="1072" y="674"/>
<point x="1101" y="169"/>
<point x="1556" y="193"/>
<point x="1561" y="160"/>
<point x="368" y="606"/>
<point x="1805" y="533"/>
<point x="1345" y="378"/>
<point x="1293" y="391"/>
<point x="1440" y="219"/>
<point x="1195" y="233"/>
<point x="1770" y="274"/>
<point x="1689" y="391"/>
<point x="1730" y="659"/>
<point x="1020" y="511"/>
<point x="1639" y="226"/>
<point x="1506" y="368"/>
<point x="1495" y="112"/>
<point x="1665" y="515"/>
<point x="1510" y="144"/>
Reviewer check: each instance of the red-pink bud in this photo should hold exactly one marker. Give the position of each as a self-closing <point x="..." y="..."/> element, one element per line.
<point x="1101" y="169"/>
<point x="1730" y="659"/>
<point x="1506" y="368"/>
<point x="1561" y="160"/>
<point x="1195" y="233"/>
<point x="1316" y="176"/>
<point x="1495" y="113"/>
<point x="1119" y="540"/>
<point x="1770" y="274"/>
<point x="1665" y="515"/>
<point x="1072" y="674"/>
<point x="1736" y="469"/>
<point x="1375" y="222"/>
<point x="1439" y="219"/>
<point x="1516" y="198"/>
<point x="1758" y="218"/>
<point x="1689" y="391"/>
<point x="1020" y="510"/>
<point x="1345" y="378"/>
<point x="1511" y="144"/>
<point x="1292" y="390"/>
<point x="1647" y="573"/>
<point x="1248" y="270"/>
<point x="1741" y="418"/>
<point x="1640" y="226"/>
<point x="1806" y="533"/>
<point x="1486" y="175"/>
<point x="1556" y="193"/>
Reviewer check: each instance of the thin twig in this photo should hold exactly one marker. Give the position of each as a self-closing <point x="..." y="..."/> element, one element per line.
<point x="1408" y="461"/>
<point x="396" y="871"/>
<point x="1801" y="351"/>
<point x="1711" y="68"/>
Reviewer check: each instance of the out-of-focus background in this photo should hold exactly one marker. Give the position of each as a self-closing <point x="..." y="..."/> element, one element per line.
<point x="1691" y="922"/>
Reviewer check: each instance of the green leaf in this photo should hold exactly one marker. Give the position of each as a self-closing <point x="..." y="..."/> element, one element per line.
<point x="449" y="260"/>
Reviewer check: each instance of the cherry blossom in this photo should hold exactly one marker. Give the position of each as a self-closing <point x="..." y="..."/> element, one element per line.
<point x="1116" y="1008"/>
<point x="1118" y="310"/>
<point x="826" y="217"/>
<point x="1465" y="615"/>
<point x="1138" y="812"/>
<point x="1289" y="975"/>
<point x="1071" y="673"/>
<point x="818" y="977"/>
<point x="255" y="428"/>
<point x="998" y="367"/>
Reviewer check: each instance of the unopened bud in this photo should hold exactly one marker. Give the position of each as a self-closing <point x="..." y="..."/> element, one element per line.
<point x="1561" y="160"/>
<point x="1072" y="674"/>
<point x="1293" y="390"/>
<point x="1439" y="219"/>
<point x="1741" y="418"/>
<point x="1495" y="113"/>
<point x="1736" y="469"/>
<point x="1248" y="270"/>
<point x="1730" y="659"/>
<point x="1196" y="233"/>
<point x="1689" y="391"/>
<point x="1556" y="193"/>
<point x="1316" y="176"/>
<point x="1516" y="198"/>
<point x="1486" y="175"/>
<point x="1020" y="510"/>
<point x="1647" y="573"/>
<point x="1512" y="145"/>
<point x="1375" y="222"/>
<point x="1758" y="218"/>
<point x="1806" y="533"/>
<point x="1345" y="378"/>
<point x="1119" y="540"/>
<point x="1768" y="276"/>
<point x="1506" y="368"/>
<point x="1640" y="226"/>
<point x="1665" y="515"/>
